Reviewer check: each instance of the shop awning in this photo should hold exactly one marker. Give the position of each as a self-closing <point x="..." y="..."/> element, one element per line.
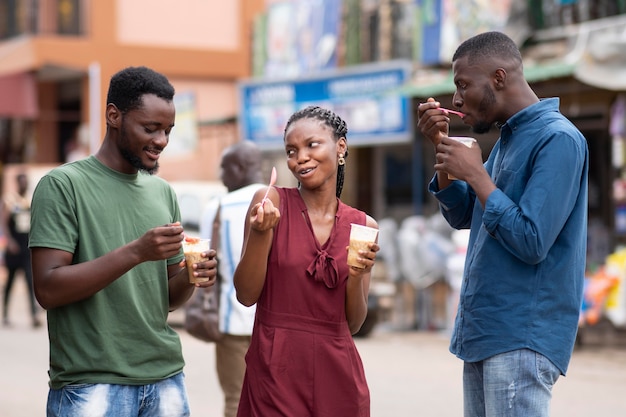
<point x="597" y="57"/>
<point x="18" y="96"/>
<point x="17" y="55"/>
<point x="20" y="71"/>
<point x="432" y="83"/>
<point x="604" y="64"/>
<point x="18" y="86"/>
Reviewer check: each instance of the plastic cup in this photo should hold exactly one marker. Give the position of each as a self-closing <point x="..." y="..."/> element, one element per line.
<point x="360" y="238"/>
<point x="193" y="248"/>
<point x="465" y="140"/>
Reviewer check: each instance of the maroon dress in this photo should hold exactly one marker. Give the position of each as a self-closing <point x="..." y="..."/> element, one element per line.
<point x="302" y="361"/>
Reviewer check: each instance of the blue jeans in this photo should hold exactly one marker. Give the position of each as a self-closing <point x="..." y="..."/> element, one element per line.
<point x="166" y="398"/>
<point x="512" y="384"/>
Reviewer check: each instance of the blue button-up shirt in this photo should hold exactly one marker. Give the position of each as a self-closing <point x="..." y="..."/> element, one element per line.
<point x="523" y="279"/>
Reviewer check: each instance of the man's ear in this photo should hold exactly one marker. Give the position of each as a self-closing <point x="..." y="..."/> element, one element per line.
<point x="499" y="79"/>
<point x="113" y="115"/>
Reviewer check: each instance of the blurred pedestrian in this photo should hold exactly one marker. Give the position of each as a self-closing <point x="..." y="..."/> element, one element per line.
<point x="241" y="174"/>
<point x="302" y="360"/>
<point x="16" y="224"/>
<point x="526" y="208"/>
<point x="77" y="146"/>
<point x="108" y="265"/>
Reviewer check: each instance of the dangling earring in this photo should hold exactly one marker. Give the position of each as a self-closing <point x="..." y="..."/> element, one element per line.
<point x="342" y="161"/>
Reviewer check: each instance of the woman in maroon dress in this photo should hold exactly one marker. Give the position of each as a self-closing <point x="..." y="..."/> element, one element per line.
<point x="302" y="361"/>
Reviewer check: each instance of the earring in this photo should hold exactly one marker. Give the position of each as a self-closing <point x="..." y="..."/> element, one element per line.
<point x="341" y="161"/>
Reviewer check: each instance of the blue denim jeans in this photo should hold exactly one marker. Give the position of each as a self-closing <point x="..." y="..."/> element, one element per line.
<point x="167" y="398"/>
<point x="512" y="384"/>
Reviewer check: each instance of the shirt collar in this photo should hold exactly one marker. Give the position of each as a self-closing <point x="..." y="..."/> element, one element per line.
<point x="526" y="115"/>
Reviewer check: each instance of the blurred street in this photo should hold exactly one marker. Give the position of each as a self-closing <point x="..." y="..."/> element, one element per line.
<point x="410" y="373"/>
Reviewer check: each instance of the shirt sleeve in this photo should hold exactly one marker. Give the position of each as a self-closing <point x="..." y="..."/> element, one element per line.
<point x="529" y="228"/>
<point x="456" y="202"/>
<point x="53" y="219"/>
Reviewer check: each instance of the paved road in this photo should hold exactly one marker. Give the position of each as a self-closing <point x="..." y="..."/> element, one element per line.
<point x="409" y="374"/>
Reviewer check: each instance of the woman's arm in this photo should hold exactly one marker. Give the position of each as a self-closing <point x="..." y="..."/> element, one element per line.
<point x="250" y="273"/>
<point x="357" y="289"/>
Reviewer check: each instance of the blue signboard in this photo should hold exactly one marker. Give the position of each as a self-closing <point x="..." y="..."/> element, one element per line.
<point x="429" y="21"/>
<point x="364" y="96"/>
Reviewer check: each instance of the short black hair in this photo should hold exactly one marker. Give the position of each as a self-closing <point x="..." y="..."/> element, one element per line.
<point x="128" y="86"/>
<point x="488" y="45"/>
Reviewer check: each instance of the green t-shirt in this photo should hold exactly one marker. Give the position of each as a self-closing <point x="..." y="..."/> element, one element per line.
<point x="119" y="335"/>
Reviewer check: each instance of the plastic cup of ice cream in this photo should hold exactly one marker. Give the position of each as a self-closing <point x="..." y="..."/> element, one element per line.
<point x="193" y="249"/>
<point x="360" y="238"/>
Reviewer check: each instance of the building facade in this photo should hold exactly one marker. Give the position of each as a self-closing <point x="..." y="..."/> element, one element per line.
<point x="57" y="56"/>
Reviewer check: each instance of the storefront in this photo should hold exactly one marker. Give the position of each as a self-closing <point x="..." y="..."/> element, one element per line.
<point x="365" y="97"/>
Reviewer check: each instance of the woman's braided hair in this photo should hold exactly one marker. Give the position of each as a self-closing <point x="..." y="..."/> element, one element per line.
<point x="334" y="122"/>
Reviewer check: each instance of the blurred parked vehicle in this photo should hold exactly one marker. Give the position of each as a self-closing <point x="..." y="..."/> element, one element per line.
<point x="193" y="197"/>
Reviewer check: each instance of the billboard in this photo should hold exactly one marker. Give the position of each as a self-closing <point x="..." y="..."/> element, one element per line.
<point x="301" y="37"/>
<point x="364" y="96"/>
<point x="443" y="24"/>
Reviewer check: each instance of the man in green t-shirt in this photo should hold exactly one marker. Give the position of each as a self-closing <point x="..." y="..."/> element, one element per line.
<point x="108" y="264"/>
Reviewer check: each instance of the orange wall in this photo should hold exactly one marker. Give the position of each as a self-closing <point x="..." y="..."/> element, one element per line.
<point x="204" y="162"/>
<point x="192" y="24"/>
<point x="203" y="45"/>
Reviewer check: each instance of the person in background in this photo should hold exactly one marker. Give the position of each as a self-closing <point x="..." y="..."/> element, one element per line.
<point x="241" y="174"/>
<point x="108" y="265"/>
<point x="526" y="209"/>
<point x="16" y="226"/>
<point x="77" y="147"/>
<point x="302" y="360"/>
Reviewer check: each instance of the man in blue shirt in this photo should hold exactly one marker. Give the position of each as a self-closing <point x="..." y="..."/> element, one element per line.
<point x="526" y="208"/>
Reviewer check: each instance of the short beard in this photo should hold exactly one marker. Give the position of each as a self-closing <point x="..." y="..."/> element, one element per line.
<point x="131" y="158"/>
<point x="136" y="162"/>
<point x="488" y="101"/>
<point x="481" y="127"/>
